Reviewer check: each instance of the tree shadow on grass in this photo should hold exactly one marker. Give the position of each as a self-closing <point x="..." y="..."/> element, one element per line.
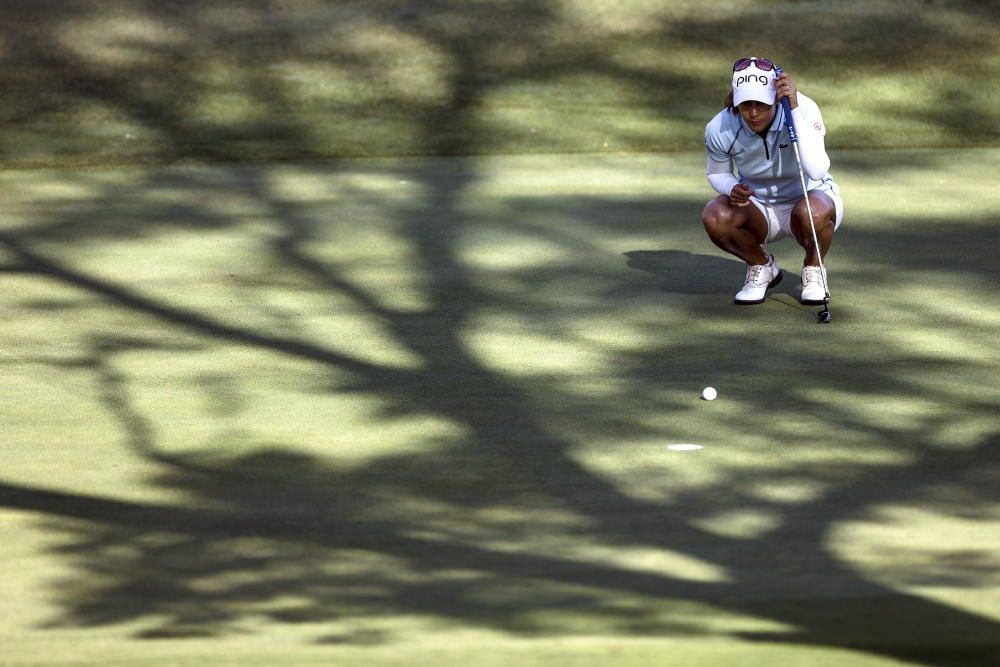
<point x="503" y="522"/>
<point x="496" y="526"/>
<point x="463" y="540"/>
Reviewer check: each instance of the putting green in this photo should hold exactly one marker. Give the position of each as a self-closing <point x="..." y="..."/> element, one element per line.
<point x="418" y="411"/>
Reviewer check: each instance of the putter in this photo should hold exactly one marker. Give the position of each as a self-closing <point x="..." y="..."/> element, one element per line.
<point x="824" y="315"/>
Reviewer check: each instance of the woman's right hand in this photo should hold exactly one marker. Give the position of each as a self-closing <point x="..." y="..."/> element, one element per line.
<point x="740" y="195"/>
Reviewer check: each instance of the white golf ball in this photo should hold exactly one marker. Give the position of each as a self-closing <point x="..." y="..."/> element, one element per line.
<point x="709" y="393"/>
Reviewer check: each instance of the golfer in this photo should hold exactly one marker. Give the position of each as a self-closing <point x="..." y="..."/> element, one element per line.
<point x="764" y="202"/>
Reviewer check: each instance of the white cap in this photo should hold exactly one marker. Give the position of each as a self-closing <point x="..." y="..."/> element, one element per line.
<point x="753" y="84"/>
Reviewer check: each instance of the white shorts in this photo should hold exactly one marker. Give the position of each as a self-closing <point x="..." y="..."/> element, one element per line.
<point x="779" y="216"/>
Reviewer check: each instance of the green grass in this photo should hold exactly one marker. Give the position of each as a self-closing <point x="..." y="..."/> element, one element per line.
<point x="100" y="83"/>
<point x="417" y="411"/>
<point x="355" y="333"/>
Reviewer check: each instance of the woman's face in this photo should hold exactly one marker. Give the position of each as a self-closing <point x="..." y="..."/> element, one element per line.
<point x="757" y="114"/>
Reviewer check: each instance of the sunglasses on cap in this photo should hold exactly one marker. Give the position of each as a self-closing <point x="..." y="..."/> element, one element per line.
<point x="762" y="64"/>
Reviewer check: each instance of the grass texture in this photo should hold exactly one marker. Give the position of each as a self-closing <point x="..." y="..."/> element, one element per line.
<point x="418" y="411"/>
<point x="356" y="333"/>
<point x="97" y="83"/>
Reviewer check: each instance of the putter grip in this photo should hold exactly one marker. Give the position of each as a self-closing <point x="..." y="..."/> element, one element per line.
<point x="787" y="106"/>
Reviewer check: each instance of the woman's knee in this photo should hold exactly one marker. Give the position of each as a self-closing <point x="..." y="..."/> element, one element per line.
<point x="824" y="214"/>
<point x="717" y="216"/>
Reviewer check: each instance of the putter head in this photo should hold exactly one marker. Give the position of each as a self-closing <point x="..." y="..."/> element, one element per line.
<point x="824" y="315"/>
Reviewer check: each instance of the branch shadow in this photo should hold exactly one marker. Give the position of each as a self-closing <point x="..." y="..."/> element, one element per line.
<point x="496" y="523"/>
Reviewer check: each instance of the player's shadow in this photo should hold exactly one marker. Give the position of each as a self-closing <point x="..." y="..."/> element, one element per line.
<point x="681" y="272"/>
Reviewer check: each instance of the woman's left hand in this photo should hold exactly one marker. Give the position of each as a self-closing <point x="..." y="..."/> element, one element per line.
<point x="785" y="87"/>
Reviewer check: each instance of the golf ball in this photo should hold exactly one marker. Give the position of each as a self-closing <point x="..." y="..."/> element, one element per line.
<point x="709" y="393"/>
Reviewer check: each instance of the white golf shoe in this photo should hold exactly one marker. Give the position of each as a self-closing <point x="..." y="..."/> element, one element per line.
<point x="760" y="278"/>
<point x="813" y="286"/>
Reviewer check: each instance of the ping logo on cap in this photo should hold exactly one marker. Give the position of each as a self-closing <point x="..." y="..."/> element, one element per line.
<point x="752" y="83"/>
<point x="755" y="78"/>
